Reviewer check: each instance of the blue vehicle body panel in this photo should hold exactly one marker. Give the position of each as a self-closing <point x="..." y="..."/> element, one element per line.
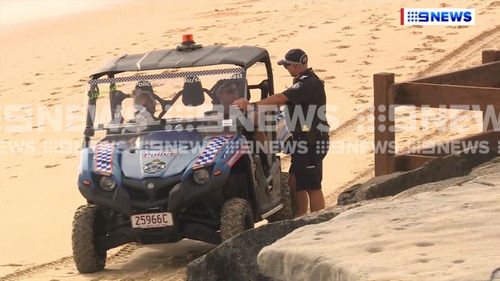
<point x="131" y="155"/>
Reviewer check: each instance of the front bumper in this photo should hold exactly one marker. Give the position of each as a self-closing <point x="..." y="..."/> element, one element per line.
<point x="194" y="208"/>
<point x="172" y="194"/>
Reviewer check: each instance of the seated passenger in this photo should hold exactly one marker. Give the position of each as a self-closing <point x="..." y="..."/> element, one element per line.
<point x="144" y="102"/>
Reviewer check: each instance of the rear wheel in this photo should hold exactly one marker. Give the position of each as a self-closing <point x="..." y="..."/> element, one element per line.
<point x="288" y="210"/>
<point x="88" y="225"/>
<point x="236" y="217"/>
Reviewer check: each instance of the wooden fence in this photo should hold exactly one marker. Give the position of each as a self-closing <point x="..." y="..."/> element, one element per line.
<point x="478" y="86"/>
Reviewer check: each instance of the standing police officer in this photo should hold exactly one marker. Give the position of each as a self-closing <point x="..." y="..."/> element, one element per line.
<point x="306" y="98"/>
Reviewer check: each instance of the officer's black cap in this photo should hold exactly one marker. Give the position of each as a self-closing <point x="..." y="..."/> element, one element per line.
<point x="294" y="56"/>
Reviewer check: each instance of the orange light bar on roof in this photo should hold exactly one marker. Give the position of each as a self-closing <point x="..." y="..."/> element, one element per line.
<point x="187" y="38"/>
<point x="188" y="43"/>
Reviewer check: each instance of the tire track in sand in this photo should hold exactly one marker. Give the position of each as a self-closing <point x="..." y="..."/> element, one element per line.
<point x="22" y="274"/>
<point x="461" y="57"/>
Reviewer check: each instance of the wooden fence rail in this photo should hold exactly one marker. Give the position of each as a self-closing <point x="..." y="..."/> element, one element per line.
<point x="472" y="88"/>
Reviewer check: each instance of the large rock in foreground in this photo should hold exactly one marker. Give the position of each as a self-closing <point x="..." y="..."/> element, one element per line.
<point x="452" y="234"/>
<point x="236" y="259"/>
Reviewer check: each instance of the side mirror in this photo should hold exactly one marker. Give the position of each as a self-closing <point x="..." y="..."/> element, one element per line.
<point x="192" y="92"/>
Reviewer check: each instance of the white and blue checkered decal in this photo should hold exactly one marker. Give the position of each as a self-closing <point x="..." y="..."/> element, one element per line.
<point x="238" y="71"/>
<point x="211" y="149"/>
<point x="104" y="158"/>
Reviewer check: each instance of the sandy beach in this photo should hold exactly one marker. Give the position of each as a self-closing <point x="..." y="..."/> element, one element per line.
<point x="47" y="62"/>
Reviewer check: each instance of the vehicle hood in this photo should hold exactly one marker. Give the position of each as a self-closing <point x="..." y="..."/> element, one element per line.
<point x="159" y="154"/>
<point x="164" y="154"/>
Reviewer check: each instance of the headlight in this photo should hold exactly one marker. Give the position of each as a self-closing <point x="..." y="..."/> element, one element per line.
<point x="201" y="176"/>
<point x="107" y="184"/>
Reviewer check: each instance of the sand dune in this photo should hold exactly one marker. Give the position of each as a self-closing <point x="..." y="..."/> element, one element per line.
<point x="47" y="63"/>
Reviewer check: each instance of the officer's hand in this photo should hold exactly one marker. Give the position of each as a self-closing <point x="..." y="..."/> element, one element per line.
<point x="241" y="103"/>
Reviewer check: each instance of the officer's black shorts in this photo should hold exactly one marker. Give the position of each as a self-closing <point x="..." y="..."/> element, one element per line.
<point x="307" y="169"/>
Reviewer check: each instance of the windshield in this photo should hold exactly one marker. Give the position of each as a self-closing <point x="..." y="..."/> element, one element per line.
<point x="173" y="97"/>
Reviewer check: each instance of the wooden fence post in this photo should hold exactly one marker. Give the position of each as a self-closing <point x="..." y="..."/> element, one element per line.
<point x="489" y="56"/>
<point x="384" y="128"/>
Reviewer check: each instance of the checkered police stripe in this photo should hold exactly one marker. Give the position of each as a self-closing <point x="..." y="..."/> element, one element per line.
<point x="291" y="62"/>
<point x="104" y="158"/>
<point x="238" y="70"/>
<point x="211" y="149"/>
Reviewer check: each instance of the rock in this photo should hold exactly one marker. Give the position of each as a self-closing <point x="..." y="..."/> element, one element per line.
<point x="454" y="165"/>
<point x="451" y="234"/>
<point x="236" y="259"/>
<point x="488" y="168"/>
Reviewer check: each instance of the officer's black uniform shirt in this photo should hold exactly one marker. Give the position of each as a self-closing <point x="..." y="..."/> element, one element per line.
<point x="307" y="90"/>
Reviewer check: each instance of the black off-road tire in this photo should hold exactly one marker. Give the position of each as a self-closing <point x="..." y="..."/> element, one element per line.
<point x="88" y="224"/>
<point x="288" y="210"/>
<point x="236" y="217"/>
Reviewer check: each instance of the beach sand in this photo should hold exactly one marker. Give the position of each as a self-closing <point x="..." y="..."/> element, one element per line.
<point x="48" y="62"/>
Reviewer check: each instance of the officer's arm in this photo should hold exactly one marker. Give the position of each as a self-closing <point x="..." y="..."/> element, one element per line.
<point x="276" y="99"/>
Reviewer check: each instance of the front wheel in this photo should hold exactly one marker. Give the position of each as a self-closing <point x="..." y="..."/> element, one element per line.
<point x="288" y="210"/>
<point x="236" y="217"/>
<point x="88" y="225"/>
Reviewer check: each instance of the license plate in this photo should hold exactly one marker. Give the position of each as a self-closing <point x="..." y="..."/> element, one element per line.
<point x="152" y="220"/>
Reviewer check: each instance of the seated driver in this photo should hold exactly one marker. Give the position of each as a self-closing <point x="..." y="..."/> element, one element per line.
<point x="226" y="95"/>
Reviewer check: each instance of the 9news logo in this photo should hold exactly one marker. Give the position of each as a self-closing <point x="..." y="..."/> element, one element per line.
<point x="437" y="16"/>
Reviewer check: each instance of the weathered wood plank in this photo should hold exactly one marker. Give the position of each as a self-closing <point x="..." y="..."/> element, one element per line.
<point x="438" y="95"/>
<point x="485" y="75"/>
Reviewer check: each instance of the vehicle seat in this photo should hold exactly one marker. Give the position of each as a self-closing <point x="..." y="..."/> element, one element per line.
<point x="192" y="92"/>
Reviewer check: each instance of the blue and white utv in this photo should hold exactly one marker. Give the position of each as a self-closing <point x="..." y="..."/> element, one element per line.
<point x="164" y="160"/>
